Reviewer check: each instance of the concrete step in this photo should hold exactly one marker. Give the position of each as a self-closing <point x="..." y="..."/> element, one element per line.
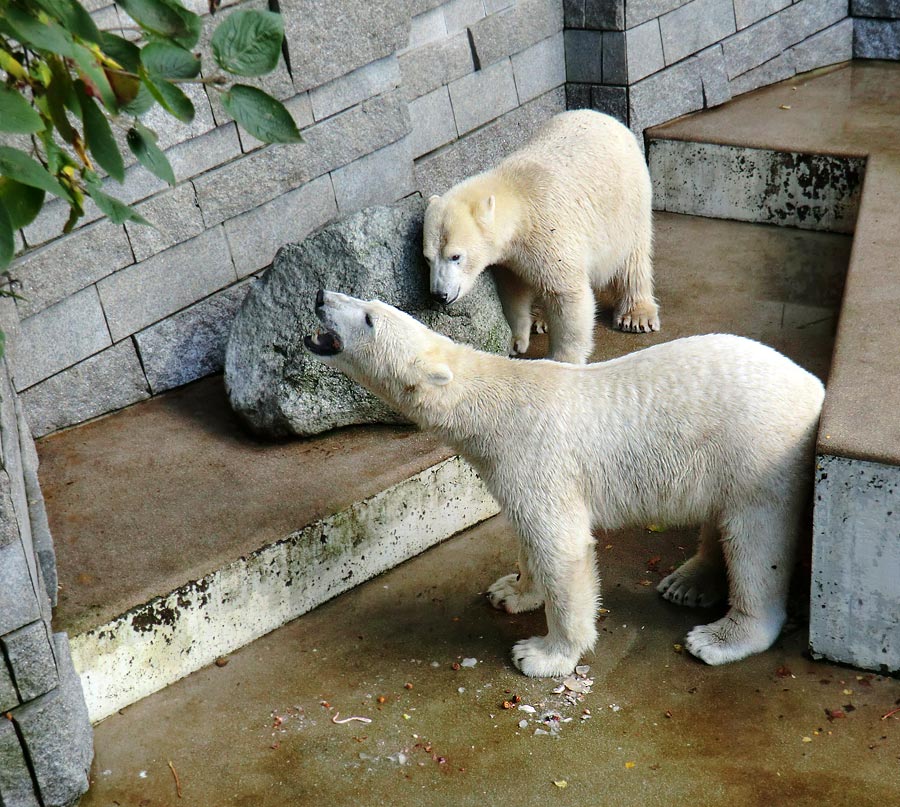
<point x="180" y="538"/>
<point x="822" y="151"/>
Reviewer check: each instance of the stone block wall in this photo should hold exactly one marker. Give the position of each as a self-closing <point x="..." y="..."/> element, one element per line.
<point x="391" y="96"/>
<point x="649" y="61"/>
<point x="46" y="743"/>
<point x="876" y="29"/>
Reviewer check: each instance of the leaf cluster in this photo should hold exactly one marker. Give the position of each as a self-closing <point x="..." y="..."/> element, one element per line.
<point x="66" y="86"/>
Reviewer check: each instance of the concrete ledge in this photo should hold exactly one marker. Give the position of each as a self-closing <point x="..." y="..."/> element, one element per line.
<point x="790" y="189"/>
<point x="854" y="601"/>
<point x="164" y="640"/>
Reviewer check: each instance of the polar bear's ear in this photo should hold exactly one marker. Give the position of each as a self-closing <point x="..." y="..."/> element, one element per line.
<point x="433" y="198"/>
<point x="439" y="374"/>
<point x="484" y="211"/>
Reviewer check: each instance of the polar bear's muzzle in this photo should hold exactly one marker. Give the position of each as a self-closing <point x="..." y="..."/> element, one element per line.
<point x="326" y="341"/>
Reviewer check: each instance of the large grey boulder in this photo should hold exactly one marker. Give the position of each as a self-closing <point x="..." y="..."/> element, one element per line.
<point x="275" y="385"/>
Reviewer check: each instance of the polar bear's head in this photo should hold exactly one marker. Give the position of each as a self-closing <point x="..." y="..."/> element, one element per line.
<point x="457" y="242"/>
<point x="387" y="351"/>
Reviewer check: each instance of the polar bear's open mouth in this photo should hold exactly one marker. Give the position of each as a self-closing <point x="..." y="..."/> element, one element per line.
<point x="324" y="342"/>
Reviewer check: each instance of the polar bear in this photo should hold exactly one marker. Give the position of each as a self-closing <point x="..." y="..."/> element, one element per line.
<point x="715" y="430"/>
<point x="566" y="215"/>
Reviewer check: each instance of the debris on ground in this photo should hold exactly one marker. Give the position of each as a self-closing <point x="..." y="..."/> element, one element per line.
<point x="468" y="662"/>
<point x="177" y="780"/>
<point x="561" y="783"/>
<point x="221" y="661"/>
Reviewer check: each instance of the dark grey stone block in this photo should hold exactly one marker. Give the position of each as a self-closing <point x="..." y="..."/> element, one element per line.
<point x="16" y="785"/>
<point x="9" y="699"/>
<point x="834" y="44"/>
<point x="612" y="101"/>
<point x="578" y="96"/>
<point x="58" y="736"/>
<point x="876" y="39"/>
<point x="18" y="600"/>
<point x="607" y="15"/>
<point x="615" y="67"/>
<point x="31" y="660"/>
<point x="584" y="56"/>
<point x="887" y="9"/>
<point x="573" y="13"/>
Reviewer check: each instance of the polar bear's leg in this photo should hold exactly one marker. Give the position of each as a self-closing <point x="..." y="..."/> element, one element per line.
<point x="515" y="593"/>
<point x="516" y="299"/>
<point x="701" y="580"/>
<point x="637" y="311"/>
<point x="570" y="317"/>
<point x="562" y="559"/>
<point x="758" y="546"/>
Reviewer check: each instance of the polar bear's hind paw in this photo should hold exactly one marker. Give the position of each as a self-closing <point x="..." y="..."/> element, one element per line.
<point x="538" y="659"/>
<point x="641" y="318"/>
<point x="695" y="584"/>
<point x="733" y="637"/>
<point x="506" y="595"/>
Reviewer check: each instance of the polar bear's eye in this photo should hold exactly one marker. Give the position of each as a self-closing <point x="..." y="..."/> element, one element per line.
<point x="454" y="258"/>
<point x="369" y="320"/>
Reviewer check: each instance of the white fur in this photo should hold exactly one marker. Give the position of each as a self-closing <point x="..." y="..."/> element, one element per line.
<point x="714" y="430"/>
<point x="567" y="214"/>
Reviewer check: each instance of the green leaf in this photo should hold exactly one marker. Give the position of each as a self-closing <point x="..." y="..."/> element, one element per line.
<point x="261" y="115"/>
<point x="117" y="211"/>
<point x="19" y="166"/>
<point x="142" y="143"/>
<point x="126" y="53"/>
<point x="141" y="103"/>
<point x="170" y="98"/>
<point x="248" y="43"/>
<point x="7" y="238"/>
<point x="45" y="36"/>
<point x="164" y="18"/>
<point x="95" y="77"/>
<point x="99" y="137"/>
<point x="16" y="114"/>
<point x="22" y="202"/>
<point x="73" y="16"/>
<point x="169" y="61"/>
<point x="60" y="96"/>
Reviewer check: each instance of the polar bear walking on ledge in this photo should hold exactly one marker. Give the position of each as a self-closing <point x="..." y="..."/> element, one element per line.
<point x="567" y="214"/>
<point x="713" y="430"/>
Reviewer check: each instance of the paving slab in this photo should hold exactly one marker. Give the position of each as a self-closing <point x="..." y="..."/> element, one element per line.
<point x="663" y="728"/>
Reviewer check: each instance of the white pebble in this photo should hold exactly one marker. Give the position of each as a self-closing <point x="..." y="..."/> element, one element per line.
<point x="468" y="662"/>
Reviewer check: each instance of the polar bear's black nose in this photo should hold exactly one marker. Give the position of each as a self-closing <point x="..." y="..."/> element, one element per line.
<point x="320" y="298"/>
<point x="440" y="296"/>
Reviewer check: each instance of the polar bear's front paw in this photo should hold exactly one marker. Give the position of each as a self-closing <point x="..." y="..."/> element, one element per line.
<point x="640" y="318"/>
<point x="734" y="637"/>
<point x="695" y="583"/>
<point x="537" y="658"/>
<point x="518" y="345"/>
<point x="506" y="595"/>
<point x="539" y="325"/>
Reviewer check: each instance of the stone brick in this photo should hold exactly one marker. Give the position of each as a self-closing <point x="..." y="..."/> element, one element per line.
<point x="834" y="44"/>
<point x="482" y="96"/>
<point x="218" y="146"/>
<point x="875" y="8"/>
<point x="11" y="529"/>
<point x="15" y="779"/>
<point x="360" y="85"/>
<point x="151" y="290"/>
<point x="324" y="44"/>
<point x="20" y="604"/>
<point x="427" y="27"/>
<point x="190" y="344"/>
<point x="711" y="64"/>
<point x="746" y="12"/>
<point x="584" y="56"/>
<point x="615" y="61"/>
<point x="427" y="68"/>
<point x="540" y="68"/>
<point x="275" y="170"/>
<point x="52" y="272"/>
<point x="255" y="236"/>
<point x="432" y="121"/>
<point x="58" y="337"/>
<point x="8" y="696"/>
<point x="573" y="13"/>
<point x="486" y="147"/>
<point x="513" y="30"/>
<point x="694" y="26"/>
<point x="611" y="101"/>
<point x="382" y="177"/>
<point x="644" y="51"/>
<point x="806" y="17"/>
<point x="753" y="46"/>
<point x="665" y="95"/>
<point x="58" y="736"/>
<point x="300" y="109"/>
<point x="607" y="15"/>
<point x="578" y="96"/>
<point x="31" y="660"/>
<point x="777" y="69"/>
<point x="638" y="11"/>
<point x="460" y="14"/>
<point x="103" y="383"/>
<point x="493" y="6"/>
<point x="876" y="39"/>
<point x="175" y="217"/>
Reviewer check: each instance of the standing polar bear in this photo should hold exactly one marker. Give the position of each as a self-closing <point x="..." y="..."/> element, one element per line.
<point x="716" y="430"/>
<point x="566" y="215"/>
